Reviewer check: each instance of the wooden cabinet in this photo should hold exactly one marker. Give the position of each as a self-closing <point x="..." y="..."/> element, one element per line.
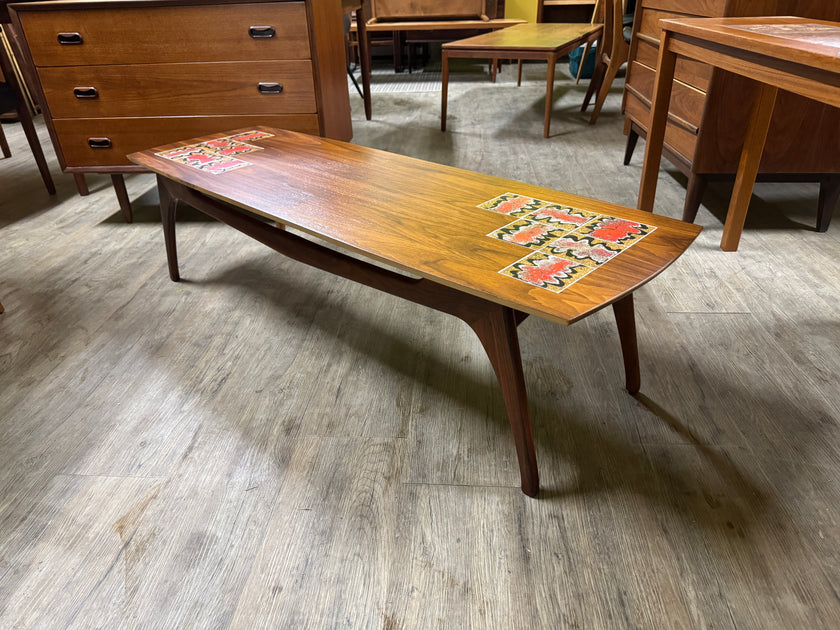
<point x="579" y="11"/>
<point x="119" y="76"/>
<point x="706" y="119"/>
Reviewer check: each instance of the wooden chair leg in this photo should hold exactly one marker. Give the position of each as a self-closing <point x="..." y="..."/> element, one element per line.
<point x="35" y="144"/>
<point x="586" y="48"/>
<point x="364" y="57"/>
<point x="4" y="145"/>
<point x="609" y="76"/>
<point x="632" y="139"/>
<point x="594" y="83"/>
<point x="2" y="310"/>
<point x="829" y="195"/>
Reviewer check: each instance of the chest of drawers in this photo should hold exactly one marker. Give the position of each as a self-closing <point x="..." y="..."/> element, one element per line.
<point x="706" y="119"/>
<point x="118" y="76"/>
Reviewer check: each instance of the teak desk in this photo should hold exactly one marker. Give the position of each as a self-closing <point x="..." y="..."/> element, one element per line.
<point x="788" y="53"/>
<point x="547" y="42"/>
<point x="477" y="243"/>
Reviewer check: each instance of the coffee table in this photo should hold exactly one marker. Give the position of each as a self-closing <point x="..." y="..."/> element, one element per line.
<point x="474" y="245"/>
<point x="544" y="41"/>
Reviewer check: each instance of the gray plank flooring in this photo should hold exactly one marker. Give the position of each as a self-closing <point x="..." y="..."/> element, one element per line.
<point x="265" y="446"/>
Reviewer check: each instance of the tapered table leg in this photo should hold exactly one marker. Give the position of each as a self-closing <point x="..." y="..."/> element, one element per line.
<point x="168" y="206"/>
<point x="549" y="93"/>
<point x="497" y="332"/>
<point x="658" y="119"/>
<point x="759" y="125"/>
<point x="625" y="319"/>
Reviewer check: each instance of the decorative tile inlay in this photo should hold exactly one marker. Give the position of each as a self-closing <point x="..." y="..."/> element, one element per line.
<point x="216" y="156"/>
<point x="584" y="249"/>
<point x="528" y="233"/>
<point x="513" y="205"/>
<point x="569" y="242"/>
<point x="546" y="271"/>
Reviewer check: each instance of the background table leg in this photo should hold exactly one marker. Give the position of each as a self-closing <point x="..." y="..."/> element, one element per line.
<point x="444" y="88"/>
<point x="549" y="93"/>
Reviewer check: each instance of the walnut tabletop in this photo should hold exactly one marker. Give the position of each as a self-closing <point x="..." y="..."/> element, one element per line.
<point x="421" y="217"/>
<point x="487" y="250"/>
<point x="788" y="53"/>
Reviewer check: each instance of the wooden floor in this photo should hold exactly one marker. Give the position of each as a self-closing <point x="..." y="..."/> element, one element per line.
<point x="265" y="446"/>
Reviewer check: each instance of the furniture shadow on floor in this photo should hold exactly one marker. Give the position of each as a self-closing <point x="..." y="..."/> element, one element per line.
<point x="580" y="443"/>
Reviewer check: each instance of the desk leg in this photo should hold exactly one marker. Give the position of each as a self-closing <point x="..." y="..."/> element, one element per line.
<point x="549" y="93"/>
<point x="168" y="206"/>
<point x="444" y="60"/>
<point x="658" y="120"/>
<point x="496" y="329"/>
<point x="754" y="140"/>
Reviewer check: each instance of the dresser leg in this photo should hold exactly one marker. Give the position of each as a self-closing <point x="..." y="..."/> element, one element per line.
<point x="122" y="196"/>
<point x="693" y="196"/>
<point x="829" y="195"/>
<point x="81" y="184"/>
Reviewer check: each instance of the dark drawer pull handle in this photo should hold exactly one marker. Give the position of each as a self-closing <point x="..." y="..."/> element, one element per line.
<point x="261" y="32"/>
<point x="99" y="143"/>
<point x="85" y="92"/>
<point x="270" y="88"/>
<point x="70" y="38"/>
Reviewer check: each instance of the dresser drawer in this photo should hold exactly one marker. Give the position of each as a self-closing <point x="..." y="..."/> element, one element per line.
<point x="689" y="71"/>
<point x="127" y="135"/>
<point x="686" y="105"/>
<point x="167" y="34"/>
<point x="184" y="89"/>
<point x="677" y="139"/>
<point x="700" y="8"/>
<point x="649" y="22"/>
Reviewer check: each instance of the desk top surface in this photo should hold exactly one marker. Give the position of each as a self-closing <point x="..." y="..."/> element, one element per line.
<point x="809" y="42"/>
<point x="541" y="251"/>
<point x="544" y="36"/>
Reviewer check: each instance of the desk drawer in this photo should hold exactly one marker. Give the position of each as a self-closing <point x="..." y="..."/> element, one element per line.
<point x="689" y="71"/>
<point x="127" y="135"/>
<point x="677" y="139"/>
<point x="699" y="8"/>
<point x="180" y="89"/>
<point x="167" y="34"/>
